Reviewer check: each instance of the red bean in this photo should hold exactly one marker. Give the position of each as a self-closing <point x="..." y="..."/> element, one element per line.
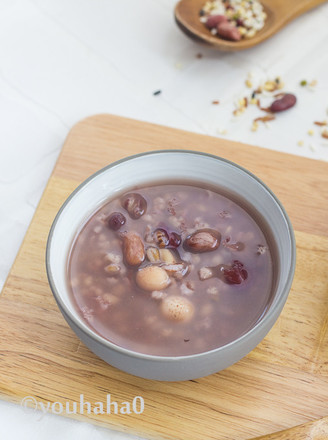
<point x="284" y="103"/>
<point x="115" y="221"/>
<point x="214" y="20"/>
<point x="174" y="240"/>
<point x="135" y="205"/>
<point x="228" y="31"/>
<point x="203" y="240"/>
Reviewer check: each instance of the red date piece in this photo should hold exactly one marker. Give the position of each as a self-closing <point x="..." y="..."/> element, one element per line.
<point x="234" y="274"/>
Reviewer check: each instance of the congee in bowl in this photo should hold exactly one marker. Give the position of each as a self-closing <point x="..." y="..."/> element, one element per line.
<point x="172" y="269"/>
<point x="171" y="265"/>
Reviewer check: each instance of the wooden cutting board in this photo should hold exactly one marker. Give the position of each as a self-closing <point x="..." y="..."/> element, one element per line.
<point x="282" y="383"/>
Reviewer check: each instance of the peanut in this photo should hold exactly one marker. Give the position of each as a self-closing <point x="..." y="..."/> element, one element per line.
<point x="152" y="278"/>
<point x="228" y="31"/>
<point x="133" y="248"/>
<point x="177" y="308"/>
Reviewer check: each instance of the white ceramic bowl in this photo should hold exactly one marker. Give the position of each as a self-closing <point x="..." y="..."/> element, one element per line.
<point x="168" y="165"/>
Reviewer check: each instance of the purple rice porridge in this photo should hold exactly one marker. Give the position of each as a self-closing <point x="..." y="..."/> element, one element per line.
<point x="172" y="269"/>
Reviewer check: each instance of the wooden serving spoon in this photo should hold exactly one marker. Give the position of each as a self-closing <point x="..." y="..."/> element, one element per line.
<point x="279" y="13"/>
<point x="317" y="430"/>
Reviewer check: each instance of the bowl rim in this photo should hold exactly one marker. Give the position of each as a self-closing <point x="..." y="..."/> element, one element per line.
<point x="89" y="332"/>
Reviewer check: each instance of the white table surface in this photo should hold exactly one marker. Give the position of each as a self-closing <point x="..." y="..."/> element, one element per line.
<point x="62" y="60"/>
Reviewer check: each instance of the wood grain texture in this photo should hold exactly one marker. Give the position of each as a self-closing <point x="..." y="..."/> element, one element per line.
<point x="279" y="13"/>
<point x="317" y="430"/>
<point x="280" y="384"/>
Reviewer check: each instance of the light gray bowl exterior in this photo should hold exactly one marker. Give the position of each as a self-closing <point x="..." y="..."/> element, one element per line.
<point x="147" y="168"/>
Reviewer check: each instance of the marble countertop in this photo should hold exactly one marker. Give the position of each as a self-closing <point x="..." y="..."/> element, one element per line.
<point x="63" y="60"/>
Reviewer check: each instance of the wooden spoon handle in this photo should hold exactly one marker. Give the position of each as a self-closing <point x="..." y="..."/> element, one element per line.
<point x="317" y="430"/>
<point x="293" y="8"/>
